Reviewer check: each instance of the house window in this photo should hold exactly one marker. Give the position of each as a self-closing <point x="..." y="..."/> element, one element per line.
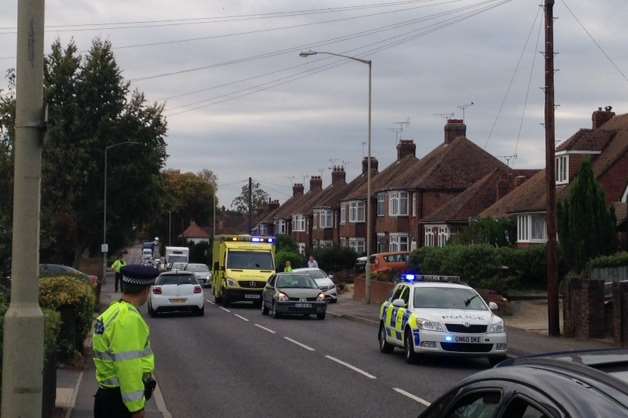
<point x="301" y="246"/>
<point x="357" y="211"/>
<point x="398" y="204"/>
<point x="343" y="242"/>
<point x="398" y="242"/>
<point x="531" y="228"/>
<point x="430" y="235"/>
<point x="381" y="242"/>
<point x="326" y="244"/>
<point x="263" y="229"/>
<point x="357" y="245"/>
<point x="381" y="202"/>
<point x="414" y="204"/>
<point x="281" y="227"/>
<point x="326" y="218"/>
<point x="443" y="235"/>
<point x="343" y="213"/>
<point x="298" y="223"/>
<point x="315" y="217"/>
<point x="562" y="169"/>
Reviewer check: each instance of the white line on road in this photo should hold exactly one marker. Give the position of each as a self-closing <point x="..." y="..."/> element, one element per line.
<point x="241" y="317"/>
<point x="411" y="396"/>
<point x="210" y="302"/>
<point x="161" y="403"/>
<point x="307" y="347"/>
<point x="349" y="366"/>
<point x="225" y="309"/>
<point x="265" y="329"/>
<point x="74" y="395"/>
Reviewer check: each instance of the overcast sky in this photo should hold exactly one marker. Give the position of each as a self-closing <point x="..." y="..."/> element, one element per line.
<point x="301" y="128"/>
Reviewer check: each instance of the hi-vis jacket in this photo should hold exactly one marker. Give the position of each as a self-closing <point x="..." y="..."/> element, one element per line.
<point x="122" y="353"/>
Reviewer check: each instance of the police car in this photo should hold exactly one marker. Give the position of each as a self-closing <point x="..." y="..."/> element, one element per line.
<point x="429" y="315"/>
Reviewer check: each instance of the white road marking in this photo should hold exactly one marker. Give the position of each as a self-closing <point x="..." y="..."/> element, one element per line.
<point x="225" y="309"/>
<point x="210" y="302"/>
<point x="74" y="395"/>
<point x="265" y="329"/>
<point x="161" y="403"/>
<point x="411" y="396"/>
<point x="241" y="317"/>
<point x="307" y="347"/>
<point x="349" y="366"/>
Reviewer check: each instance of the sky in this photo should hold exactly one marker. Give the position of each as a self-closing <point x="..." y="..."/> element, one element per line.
<point x="281" y="118"/>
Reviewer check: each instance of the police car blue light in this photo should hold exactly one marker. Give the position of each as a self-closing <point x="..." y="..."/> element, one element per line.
<point x="409" y="277"/>
<point x="256" y="239"/>
<point x="449" y="338"/>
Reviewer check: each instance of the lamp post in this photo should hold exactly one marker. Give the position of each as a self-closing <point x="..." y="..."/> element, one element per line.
<point x="367" y="286"/>
<point x="105" y="246"/>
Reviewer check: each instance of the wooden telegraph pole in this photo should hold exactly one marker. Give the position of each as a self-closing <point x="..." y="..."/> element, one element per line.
<point x="550" y="142"/>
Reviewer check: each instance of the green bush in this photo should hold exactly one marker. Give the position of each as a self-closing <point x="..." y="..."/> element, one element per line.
<point x="286" y="243"/>
<point x="615" y="260"/>
<point x="75" y="301"/>
<point x="296" y="259"/>
<point x="335" y="259"/>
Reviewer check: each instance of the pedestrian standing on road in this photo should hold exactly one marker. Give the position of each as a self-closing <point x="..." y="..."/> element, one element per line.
<point x="287" y="267"/>
<point x="311" y="262"/>
<point x="117" y="267"/>
<point x="122" y="354"/>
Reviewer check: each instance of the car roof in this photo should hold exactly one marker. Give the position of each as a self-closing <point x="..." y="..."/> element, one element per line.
<point x="306" y="269"/>
<point x="438" y="284"/>
<point x="177" y="273"/>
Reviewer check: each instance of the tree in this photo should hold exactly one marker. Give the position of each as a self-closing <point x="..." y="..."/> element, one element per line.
<point x="495" y="232"/>
<point x="586" y="225"/>
<point x="259" y="199"/>
<point x="7" y="118"/>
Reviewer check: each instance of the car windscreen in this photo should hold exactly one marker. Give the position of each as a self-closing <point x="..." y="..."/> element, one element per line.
<point x="197" y="267"/>
<point x="249" y="260"/>
<point x="448" y="298"/>
<point x="295" y="281"/>
<point x="176" y="279"/>
<point x="324" y="282"/>
<point x="177" y="258"/>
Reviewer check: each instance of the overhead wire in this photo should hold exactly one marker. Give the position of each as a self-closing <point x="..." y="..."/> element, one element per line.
<point x="512" y="78"/>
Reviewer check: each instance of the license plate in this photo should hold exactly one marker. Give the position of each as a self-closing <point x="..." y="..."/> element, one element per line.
<point x="302" y="305"/>
<point x="178" y="300"/>
<point x="468" y="340"/>
<point x="251" y="296"/>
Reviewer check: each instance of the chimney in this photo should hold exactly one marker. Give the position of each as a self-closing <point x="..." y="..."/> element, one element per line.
<point x="316" y="184"/>
<point x="274" y="204"/>
<point x="405" y="147"/>
<point x="600" y="117"/>
<point x="454" y="129"/>
<point x="338" y="175"/>
<point x="297" y="189"/>
<point x="503" y="187"/>
<point x="365" y="165"/>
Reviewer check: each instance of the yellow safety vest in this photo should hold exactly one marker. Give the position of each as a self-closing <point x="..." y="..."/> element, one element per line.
<point x="117" y="265"/>
<point x="122" y="353"/>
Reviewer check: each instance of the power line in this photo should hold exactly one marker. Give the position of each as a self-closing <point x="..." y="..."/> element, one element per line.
<point x="597" y="44"/>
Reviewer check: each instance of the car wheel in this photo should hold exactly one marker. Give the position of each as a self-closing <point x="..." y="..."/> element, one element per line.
<point x="217" y="299"/>
<point x="225" y="301"/>
<point x="408" y="348"/>
<point x="494" y="361"/>
<point x="273" y="311"/>
<point x="151" y="311"/>
<point x="320" y="316"/>
<point x="384" y="346"/>
<point x="264" y="309"/>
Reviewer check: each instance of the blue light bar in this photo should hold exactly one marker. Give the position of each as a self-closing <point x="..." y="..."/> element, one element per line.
<point x="409" y="277"/>
<point x="256" y="239"/>
<point x="270" y="240"/>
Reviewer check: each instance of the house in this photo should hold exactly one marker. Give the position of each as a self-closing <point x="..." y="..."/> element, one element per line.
<point x="300" y="215"/>
<point x="263" y="222"/>
<point x="606" y="144"/>
<point x="196" y="234"/>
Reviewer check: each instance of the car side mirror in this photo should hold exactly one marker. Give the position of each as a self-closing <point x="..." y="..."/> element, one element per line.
<point x="399" y="303"/>
<point x="493" y="306"/>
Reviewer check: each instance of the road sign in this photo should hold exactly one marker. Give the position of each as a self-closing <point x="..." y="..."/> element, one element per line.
<point x="104" y="248"/>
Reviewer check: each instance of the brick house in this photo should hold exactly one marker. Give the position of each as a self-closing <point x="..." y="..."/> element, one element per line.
<point x="606" y="144"/>
<point x="195" y="233"/>
<point x="277" y="221"/>
<point x="263" y="222"/>
<point x="300" y="215"/>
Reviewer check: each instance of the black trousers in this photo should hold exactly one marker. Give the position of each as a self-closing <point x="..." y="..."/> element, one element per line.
<point x="118" y="282"/>
<point x="108" y="404"/>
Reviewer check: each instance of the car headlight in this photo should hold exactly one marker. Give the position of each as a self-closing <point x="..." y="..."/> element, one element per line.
<point x="426" y="325"/>
<point x="321" y="297"/>
<point x="232" y="283"/>
<point x="281" y="297"/>
<point x="496" y="327"/>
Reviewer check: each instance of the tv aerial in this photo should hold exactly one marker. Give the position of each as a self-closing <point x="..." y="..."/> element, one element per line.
<point x="464" y="108"/>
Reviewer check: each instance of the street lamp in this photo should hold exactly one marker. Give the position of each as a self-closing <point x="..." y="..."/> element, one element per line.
<point x="105" y="246"/>
<point x="367" y="286"/>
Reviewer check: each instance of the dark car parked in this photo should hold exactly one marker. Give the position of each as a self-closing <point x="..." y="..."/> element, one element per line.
<point x="293" y="294"/>
<point x="584" y="384"/>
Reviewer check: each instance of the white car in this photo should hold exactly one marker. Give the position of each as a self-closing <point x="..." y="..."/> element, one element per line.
<point x="323" y="280"/>
<point x="201" y="272"/>
<point x="176" y="291"/>
<point x="425" y="317"/>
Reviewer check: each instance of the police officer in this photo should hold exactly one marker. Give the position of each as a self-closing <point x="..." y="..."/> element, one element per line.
<point x="117" y="269"/>
<point x="122" y="354"/>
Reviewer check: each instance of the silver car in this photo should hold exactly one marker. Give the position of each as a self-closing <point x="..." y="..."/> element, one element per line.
<point x="323" y="280"/>
<point x="201" y="272"/>
<point x="293" y="294"/>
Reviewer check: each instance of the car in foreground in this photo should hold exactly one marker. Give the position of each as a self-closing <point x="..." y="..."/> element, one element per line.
<point x="579" y="384"/>
<point x="323" y="280"/>
<point x="176" y="291"/>
<point x="201" y="272"/>
<point x="440" y="317"/>
<point x="293" y="294"/>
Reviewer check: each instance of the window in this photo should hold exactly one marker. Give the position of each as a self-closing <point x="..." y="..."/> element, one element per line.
<point x="405" y="295"/>
<point x="343" y="213"/>
<point x="414" y="203"/>
<point x="281" y="227"/>
<point x="476" y="405"/>
<point x="521" y="408"/>
<point x="315" y="217"/>
<point x="430" y="235"/>
<point x="263" y="229"/>
<point x="357" y="245"/>
<point x="381" y="242"/>
<point x="301" y="246"/>
<point x="443" y="235"/>
<point x="398" y="242"/>
<point x="249" y="260"/>
<point x="531" y="228"/>
<point x="298" y="223"/>
<point x="326" y="244"/>
<point x="381" y="203"/>
<point x="562" y="169"/>
<point x="326" y="218"/>
<point x="357" y="211"/>
<point x="397" y="292"/>
<point x="398" y="204"/>
<point x="343" y="242"/>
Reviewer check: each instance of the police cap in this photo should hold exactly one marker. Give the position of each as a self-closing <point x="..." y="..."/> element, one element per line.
<point x="139" y="275"/>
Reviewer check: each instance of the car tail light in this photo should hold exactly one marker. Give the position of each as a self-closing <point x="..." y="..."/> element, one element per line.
<point x="157" y="290"/>
<point x="197" y="289"/>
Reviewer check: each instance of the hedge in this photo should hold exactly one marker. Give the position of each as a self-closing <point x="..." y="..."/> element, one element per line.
<point x="296" y="260"/>
<point x="75" y="301"/>
<point x="615" y="260"/>
<point x="335" y="259"/>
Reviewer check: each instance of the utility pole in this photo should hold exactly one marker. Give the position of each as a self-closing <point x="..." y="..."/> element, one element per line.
<point x="553" y="324"/>
<point x="214" y="218"/>
<point x="250" y="204"/>
<point x="23" y="356"/>
<point x="170" y="228"/>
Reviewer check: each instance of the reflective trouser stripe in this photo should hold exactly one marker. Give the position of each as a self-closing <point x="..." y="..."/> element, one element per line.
<point x="133" y="396"/>
<point x="129" y="355"/>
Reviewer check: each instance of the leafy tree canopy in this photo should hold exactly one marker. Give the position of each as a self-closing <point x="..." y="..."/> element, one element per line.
<point x="259" y="199"/>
